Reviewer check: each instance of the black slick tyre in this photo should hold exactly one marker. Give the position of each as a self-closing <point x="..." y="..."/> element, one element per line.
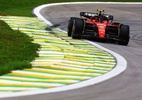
<point x="78" y="28"/>
<point x="70" y="25"/>
<point x="124" y="35"/>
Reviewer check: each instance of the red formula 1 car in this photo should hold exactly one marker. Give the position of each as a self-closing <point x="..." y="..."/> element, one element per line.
<point x="98" y="26"/>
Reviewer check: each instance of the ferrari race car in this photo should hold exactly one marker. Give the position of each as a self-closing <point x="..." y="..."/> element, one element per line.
<point x="98" y="26"/>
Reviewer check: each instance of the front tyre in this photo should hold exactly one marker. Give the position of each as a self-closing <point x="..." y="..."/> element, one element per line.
<point x="124" y="35"/>
<point x="70" y="25"/>
<point x="78" y="28"/>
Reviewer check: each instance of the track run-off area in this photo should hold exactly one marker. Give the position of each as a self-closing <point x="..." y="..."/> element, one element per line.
<point x="63" y="63"/>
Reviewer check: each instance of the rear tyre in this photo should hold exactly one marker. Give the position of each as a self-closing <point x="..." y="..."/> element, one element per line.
<point x="124" y="35"/>
<point x="78" y="28"/>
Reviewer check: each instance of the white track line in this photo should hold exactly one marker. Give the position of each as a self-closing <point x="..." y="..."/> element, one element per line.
<point x="120" y="67"/>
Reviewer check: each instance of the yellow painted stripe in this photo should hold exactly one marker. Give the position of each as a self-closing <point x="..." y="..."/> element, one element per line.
<point x="17" y="88"/>
<point x="74" y="63"/>
<point x="60" y="72"/>
<point x="32" y="82"/>
<point x="70" y="68"/>
<point x="41" y="75"/>
<point x="21" y="84"/>
<point x="25" y="79"/>
<point x="80" y="59"/>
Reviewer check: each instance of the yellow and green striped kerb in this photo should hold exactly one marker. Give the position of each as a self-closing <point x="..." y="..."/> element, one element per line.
<point x="62" y="60"/>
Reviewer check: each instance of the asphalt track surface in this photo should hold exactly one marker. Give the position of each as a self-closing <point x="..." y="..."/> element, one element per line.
<point x="127" y="85"/>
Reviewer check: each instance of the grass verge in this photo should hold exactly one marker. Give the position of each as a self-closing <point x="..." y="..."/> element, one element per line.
<point x="16" y="49"/>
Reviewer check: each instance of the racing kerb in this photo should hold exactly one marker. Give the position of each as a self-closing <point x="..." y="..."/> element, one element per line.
<point x="120" y="66"/>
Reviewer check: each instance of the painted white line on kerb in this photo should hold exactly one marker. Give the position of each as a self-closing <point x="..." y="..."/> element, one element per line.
<point x="120" y="66"/>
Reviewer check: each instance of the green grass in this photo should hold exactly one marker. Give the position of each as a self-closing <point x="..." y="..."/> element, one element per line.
<point x="16" y="49"/>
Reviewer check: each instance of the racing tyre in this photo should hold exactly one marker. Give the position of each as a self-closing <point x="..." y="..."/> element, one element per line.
<point x="70" y="26"/>
<point x="124" y="35"/>
<point x="78" y="27"/>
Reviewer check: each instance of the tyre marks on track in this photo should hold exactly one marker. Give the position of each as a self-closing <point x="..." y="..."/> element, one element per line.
<point x="62" y="61"/>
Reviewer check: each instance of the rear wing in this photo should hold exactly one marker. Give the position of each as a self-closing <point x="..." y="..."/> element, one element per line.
<point x="96" y="15"/>
<point x="88" y="14"/>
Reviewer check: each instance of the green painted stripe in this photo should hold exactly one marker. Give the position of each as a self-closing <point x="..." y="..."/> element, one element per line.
<point x="65" y="82"/>
<point x="10" y="90"/>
